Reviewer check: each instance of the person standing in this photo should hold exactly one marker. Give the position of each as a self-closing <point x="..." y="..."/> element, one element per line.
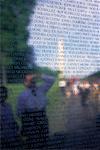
<point x="9" y="130"/>
<point x="31" y="109"/>
<point x="84" y="89"/>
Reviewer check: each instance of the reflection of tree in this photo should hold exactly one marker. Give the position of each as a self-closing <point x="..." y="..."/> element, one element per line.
<point x="95" y="77"/>
<point x="14" y="20"/>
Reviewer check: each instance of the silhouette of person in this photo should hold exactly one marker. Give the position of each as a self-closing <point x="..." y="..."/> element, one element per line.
<point x="9" y="128"/>
<point x="31" y="109"/>
<point x="84" y="92"/>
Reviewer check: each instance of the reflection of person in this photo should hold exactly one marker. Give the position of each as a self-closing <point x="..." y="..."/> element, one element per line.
<point x="31" y="109"/>
<point x="84" y="89"/>
<point x="9" y="129"/>
<point x="96" y="91"/>
<point x="75" y="89"/>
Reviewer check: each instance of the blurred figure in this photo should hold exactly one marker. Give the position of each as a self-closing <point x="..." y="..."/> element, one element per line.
<point x="31" y="109"/>
<point x="84" y="89"/>
<point x="95" y="96"/>
<point x="96" y="90"/>
<point x="68" y="90"/>
<point x="75" y="88"/>
<point x="9" y="137"/>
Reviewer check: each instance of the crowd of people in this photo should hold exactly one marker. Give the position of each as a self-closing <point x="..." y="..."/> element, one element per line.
<point x="31" y="111"/>
<point x="84" y="89"/>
